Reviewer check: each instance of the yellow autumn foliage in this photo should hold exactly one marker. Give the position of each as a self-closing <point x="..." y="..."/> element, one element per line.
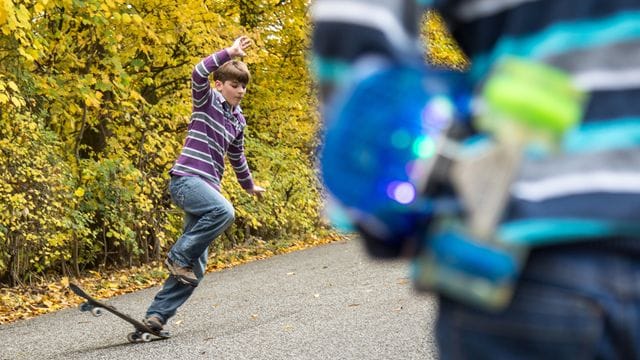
<point x="442" y="48"/>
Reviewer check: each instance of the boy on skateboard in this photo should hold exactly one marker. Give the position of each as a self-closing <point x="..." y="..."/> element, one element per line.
<point x="216" y="128"/>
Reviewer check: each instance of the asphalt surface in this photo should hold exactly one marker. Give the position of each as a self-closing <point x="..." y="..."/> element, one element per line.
<point x="329" y="302"/>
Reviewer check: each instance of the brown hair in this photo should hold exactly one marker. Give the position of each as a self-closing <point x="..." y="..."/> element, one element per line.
<point x="233" y="70"/>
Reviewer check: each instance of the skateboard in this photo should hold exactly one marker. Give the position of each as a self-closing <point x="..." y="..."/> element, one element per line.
<point x="142" y="333"/>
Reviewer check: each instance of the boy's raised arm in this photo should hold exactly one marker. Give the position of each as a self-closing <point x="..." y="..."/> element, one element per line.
<point x="239" y="46"/>
<point x="200" y="84"/>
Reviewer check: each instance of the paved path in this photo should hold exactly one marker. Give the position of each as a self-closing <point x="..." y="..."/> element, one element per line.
<point x="329" y="302"/>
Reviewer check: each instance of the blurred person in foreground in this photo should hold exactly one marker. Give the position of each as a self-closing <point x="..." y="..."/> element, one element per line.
<point x="573" y="213"/>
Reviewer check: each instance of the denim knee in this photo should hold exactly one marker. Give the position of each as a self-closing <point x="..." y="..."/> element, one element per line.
<point x="223" y="214"/>
<point x="229" y="215"/>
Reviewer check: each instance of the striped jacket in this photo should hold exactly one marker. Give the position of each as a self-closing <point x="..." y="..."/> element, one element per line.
<point x="593" y="190"/>
<point x="215" y="129"/>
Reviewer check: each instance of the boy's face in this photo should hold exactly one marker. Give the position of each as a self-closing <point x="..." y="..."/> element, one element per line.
<point x="232" y="91"/>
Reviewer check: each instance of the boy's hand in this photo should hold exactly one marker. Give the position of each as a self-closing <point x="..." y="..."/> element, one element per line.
<point x="257" y="191"/>
<point x="238" y="47"/>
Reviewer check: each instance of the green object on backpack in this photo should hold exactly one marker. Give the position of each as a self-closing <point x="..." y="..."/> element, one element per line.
<point x="525" y="100"/>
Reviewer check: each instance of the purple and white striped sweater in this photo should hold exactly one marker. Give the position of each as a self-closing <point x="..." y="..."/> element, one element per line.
<point x="215" y="129"/>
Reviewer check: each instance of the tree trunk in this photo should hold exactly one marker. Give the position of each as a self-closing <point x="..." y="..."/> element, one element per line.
<point x="13" y="265"/>
<point x="75" y="256"/>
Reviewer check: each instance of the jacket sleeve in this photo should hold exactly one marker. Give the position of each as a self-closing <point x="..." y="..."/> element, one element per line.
<point x="239" y="163"/>
<point x="200" y="85"/>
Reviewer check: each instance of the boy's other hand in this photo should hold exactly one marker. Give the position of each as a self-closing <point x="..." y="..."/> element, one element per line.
<point x="257" y="191"/>
<point x="238" y="47"/>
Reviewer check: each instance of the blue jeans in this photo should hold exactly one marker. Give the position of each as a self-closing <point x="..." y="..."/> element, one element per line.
<point x="206" y="215"/>
<point x="570" y="304"/>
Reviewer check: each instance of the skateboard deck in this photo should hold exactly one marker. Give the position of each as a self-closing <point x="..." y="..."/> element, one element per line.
<point x="142" y="333"/>
<point x="483" y="183"/>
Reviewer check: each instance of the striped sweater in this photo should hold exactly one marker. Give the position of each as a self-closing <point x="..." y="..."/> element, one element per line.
<point x="215" y="129"/>
<point x="593" y="190"/>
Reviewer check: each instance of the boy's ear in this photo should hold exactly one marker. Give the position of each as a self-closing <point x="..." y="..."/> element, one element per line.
<point x="218" y="85"/>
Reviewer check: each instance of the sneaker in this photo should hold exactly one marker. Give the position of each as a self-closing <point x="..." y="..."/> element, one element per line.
<point x="183" y="274"/>
<point x="154" y="322"/>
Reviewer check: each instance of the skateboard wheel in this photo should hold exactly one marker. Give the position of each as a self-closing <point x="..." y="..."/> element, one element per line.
<point x="132" y="337"/>
<point x="96" y="311"/>
<point x="146" y="337"/>
<point x="85" y="307"/>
